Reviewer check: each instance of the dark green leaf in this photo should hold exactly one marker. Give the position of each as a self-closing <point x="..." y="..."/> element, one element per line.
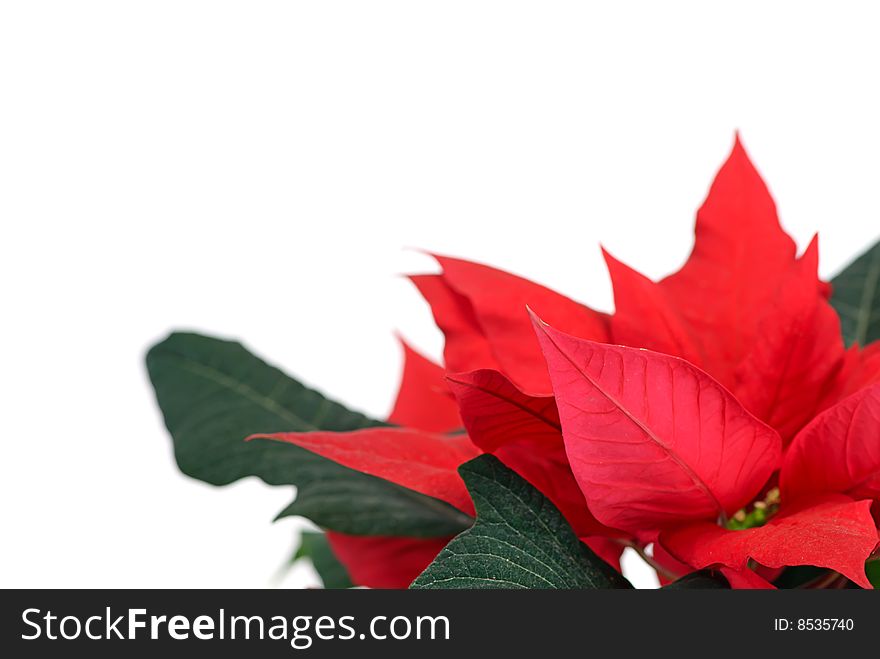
<point x="704" y="579"/>
<point x="856" y="297"/>
<point x="314" y="547"/>
<point x="797" y="576"/>
<point x="358" y="504"/>
<point x="519" y="540"/>
<point x="872" y="569"/>
<point x="214" y="393"/>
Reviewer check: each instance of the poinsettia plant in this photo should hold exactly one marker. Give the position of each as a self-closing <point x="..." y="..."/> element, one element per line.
<point x="723" y="422"/>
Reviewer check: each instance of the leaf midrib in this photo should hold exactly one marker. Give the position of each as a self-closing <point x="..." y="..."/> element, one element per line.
<point x="266" y="402"/>
<point x="272" y="406"/>
<point x="644" y="428"/>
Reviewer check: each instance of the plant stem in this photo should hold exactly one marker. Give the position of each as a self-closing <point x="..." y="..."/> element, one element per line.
<point x="665" y="572"/>
<point x="822" y="581"/>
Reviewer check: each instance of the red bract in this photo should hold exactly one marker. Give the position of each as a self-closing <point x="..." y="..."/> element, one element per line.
<point x="525" y="433"/>
<point x="799" y="351"/>
<point x="740" y="256"/>
<point x="838" y="452"/>
<point x="381" y="562"/>
<point x="418" y="460"/>
<point x="481" y="311"/>
<point x="652" y="440"/>
<point x="646" y="316"/>
<point x="833" y="532"/>
<point x="657" y="424"/>
<point x="424" y="401"/>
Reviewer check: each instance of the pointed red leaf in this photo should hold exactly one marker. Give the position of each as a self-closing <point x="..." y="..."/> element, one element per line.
<point x="466" y="346"/>
<point x="495" y="411"/>
<point x="839" y="451"/>
<point x="418" y="460"/>
<point x="424" y="401"/>
<point x="797" y="354"/>
<point x="499" y="301"/>
<point x="675" y="569"/>
<point x="523" y="431"/>
<point x="651" y="439"/>
<point x="670" y="567"/>
<point x="608" y="549"/>
<point x="382" y="562"/>
<point x="860" y="368"/>
<point x="740" y="255"/>
<point x="834" y="532"/>
<point x="645" y="318"/>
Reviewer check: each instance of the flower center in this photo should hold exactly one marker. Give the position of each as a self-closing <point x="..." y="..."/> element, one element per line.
<point x="757" y="514"/>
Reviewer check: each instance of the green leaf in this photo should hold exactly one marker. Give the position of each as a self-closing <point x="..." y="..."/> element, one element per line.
<point x="214" y="393"/>
<point x="315" y="547"/>
<point x="519" y="540"/>
<point x="358" y="504"/>
<point x="856" y="297"/>
<point x="872" y="570"/>
<point x="702" y="580"/>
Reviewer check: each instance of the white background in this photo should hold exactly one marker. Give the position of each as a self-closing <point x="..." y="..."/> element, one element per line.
<point x="255" y="169"/>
